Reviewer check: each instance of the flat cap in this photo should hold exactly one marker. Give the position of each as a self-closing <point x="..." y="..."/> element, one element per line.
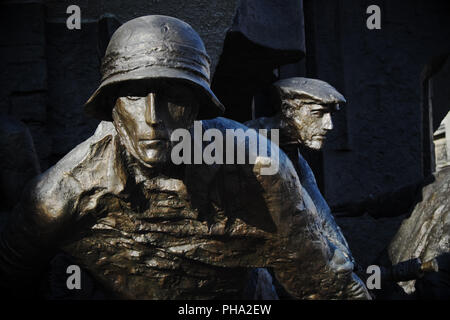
<point x="310" y="89"/>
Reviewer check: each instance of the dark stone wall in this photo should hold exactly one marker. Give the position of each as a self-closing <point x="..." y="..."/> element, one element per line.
<point x="210" y="18"/>
<point x="48" y="71"/>
<point x="73" y="75"/>
<point x="265" y="35"/>
<point x="23" y="65"/>
<point x="19" y="162"/>
<point x="376" y="146"/>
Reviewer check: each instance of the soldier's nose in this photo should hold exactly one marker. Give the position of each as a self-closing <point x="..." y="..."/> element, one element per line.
<point x="327" y="123"/>
<point x="151" y="114"/>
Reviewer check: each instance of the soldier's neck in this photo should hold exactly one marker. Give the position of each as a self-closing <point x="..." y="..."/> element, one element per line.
<point x="141" y="173"/>
<point x="287" y="134"/>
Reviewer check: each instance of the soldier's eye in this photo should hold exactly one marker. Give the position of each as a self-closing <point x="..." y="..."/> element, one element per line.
<point x="177" y="112"/>
<point x="318" y="113"/>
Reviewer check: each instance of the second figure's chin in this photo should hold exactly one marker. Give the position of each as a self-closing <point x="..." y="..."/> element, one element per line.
<point x="315" y="145"/>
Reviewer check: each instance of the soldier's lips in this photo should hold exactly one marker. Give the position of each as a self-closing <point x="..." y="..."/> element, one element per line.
<point x="153" y="143"/>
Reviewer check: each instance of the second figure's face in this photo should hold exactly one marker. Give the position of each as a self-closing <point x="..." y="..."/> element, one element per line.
<point x="145" y="123"/>
<point x="308" y="122"/>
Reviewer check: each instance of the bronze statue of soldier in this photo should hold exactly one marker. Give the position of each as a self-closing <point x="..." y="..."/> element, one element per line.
<point x="304" y="108"/>
<point x="304" y="118"/>
<point x="148" y="229"/>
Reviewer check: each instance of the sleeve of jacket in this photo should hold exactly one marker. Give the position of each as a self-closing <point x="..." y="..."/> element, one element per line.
<point x="48" y="207"/>
<point x="303" y="259"/>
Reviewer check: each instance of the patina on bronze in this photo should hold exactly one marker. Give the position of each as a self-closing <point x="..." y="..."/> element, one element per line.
<point x="147" y="51"/>
<point x="304" y="118"/>
<point x="147" y="229"/>
<point x="304" y="114"/>
<point x="304" y="111"/>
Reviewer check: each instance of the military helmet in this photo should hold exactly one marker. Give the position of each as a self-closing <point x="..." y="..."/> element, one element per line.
<point x="150" y="48"/>
<point x="310" y="90"/>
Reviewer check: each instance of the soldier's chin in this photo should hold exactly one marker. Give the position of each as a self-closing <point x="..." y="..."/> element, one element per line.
<point x="315" y="144"/>
<point x="153" y="157"/>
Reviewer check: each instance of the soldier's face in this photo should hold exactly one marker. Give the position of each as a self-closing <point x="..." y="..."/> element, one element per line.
<point x="145" y="123"/>
<point x="310" y="122"/>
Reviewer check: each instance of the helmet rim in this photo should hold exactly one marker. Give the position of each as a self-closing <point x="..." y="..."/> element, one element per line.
<point x="149" y="48"/>
<point x="102" y="101"/>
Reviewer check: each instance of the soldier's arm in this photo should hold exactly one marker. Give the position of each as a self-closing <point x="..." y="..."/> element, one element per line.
<point x="279" y="225"/>
<point x="33" y="228"/>
<point x="304" y="260"/>
<point x="48" y="207"/>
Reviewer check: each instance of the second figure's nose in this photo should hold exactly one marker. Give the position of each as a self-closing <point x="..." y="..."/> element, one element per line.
<point x="151" y="115"/>
<point x="327" y="123"/>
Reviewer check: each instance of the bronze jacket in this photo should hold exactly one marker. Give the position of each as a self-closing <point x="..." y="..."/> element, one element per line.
<point x="188" y="232"/>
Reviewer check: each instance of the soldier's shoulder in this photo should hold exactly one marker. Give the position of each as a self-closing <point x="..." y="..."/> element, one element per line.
<point x="104" y="128"/>
<point x="98" y="147"/>
<point x="259" y="123"/>
<point x="93" y="147"/>
<point x="82" y="169"/>
<point x="222" y="124"/>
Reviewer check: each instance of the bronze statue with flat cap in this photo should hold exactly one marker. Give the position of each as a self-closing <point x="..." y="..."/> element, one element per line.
<point x="304" y="108"/>
<point x="148" y="229"/>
